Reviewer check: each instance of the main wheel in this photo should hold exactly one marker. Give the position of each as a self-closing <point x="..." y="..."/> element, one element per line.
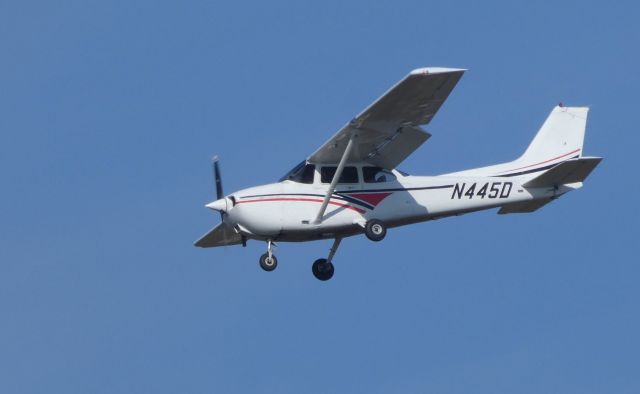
<point x="375" y="230"/>
<point x="268" y="263"/>
<point x="322" y="270"/>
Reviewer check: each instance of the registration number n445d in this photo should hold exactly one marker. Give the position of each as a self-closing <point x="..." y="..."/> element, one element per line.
<point x="486" y="190"/>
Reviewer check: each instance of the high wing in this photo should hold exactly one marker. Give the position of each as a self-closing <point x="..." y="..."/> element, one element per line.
<point x="221" y="235"/>
<point x="388" y="131"/>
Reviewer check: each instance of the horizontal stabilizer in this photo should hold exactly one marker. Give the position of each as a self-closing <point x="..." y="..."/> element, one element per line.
<point x="221" y="235"/>
<point x="524" y="207"/>
<point x="569" y="171"/>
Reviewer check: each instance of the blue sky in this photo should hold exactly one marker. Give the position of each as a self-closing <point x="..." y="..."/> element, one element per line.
<point x="110" y="112"/>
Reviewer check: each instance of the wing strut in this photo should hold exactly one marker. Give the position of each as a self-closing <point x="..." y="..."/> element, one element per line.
<point x="336" y="177"/>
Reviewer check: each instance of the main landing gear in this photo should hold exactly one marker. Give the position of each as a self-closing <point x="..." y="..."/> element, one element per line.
<point x="268" y="261"/>
<point x="375" y="230"/>
<point x="323" y="268"/>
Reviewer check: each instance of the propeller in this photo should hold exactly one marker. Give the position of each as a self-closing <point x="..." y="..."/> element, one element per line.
<point x="218" y="180"/>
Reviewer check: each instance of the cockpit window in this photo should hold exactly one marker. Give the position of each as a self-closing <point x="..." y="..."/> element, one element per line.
<point x="377" y="175"/>
<point x="302" y="173"/>
<point x="349" y="174"/>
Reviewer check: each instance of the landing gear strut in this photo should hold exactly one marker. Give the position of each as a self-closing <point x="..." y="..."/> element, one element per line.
<point x="323" y="268"/>
<point x="268" y="261"/>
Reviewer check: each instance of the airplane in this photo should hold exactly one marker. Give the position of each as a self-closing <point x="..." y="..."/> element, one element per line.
<point x="351" y="184"/>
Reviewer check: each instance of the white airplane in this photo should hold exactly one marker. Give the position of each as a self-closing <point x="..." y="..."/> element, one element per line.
<point x="350" y="185"/>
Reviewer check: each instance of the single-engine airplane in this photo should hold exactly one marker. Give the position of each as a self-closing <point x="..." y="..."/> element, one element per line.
<point x="350" y="185"/>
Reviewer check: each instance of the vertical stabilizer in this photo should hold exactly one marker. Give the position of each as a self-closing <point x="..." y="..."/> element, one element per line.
<point x="560" y="137"/>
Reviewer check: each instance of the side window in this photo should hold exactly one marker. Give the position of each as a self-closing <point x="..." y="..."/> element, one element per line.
<point x="377" y="175"/>
<point x="326" y="174"/>
<point x="349" y="175"/>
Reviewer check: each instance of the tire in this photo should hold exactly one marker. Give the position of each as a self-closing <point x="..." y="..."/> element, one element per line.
<point x="375" y="230"/>
<point x="322" y="270"/>
<point x="268" y="264"/>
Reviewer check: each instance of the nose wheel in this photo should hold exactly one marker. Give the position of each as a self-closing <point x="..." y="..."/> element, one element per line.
<point x="268" y="261"/>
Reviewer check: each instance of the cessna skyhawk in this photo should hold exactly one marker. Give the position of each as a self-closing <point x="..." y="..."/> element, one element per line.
<point x="350" y="185"/>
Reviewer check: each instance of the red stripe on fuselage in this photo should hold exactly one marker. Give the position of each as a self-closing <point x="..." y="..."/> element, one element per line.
<point x="302" y="199"/>
<point x="371" y="198"/>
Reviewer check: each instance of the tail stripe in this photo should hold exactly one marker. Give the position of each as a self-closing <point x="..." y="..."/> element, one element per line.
<point x="546" y="161"/>
<point x="535" y="169"/>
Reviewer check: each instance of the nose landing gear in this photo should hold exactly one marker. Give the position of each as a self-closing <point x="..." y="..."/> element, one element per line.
<point x="268" y="261"/>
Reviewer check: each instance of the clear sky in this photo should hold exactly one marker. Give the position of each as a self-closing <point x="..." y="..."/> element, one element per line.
<point x="111" y="111"/>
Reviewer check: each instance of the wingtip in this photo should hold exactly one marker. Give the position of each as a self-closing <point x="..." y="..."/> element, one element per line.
<point x="436" y="70"/>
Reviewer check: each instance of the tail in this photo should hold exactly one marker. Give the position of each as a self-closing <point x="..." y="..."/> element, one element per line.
<point x="560" y="138"/>
<point x="553" y="159"/>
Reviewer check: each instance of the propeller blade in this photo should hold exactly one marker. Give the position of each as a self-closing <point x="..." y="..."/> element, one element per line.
<point x="218" y="179"/>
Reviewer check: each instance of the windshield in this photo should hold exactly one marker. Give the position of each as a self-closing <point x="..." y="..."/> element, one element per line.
<point x="302" y="173"/>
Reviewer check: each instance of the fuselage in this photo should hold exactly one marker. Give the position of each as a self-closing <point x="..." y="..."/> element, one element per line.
<point x="286" y="210"/>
